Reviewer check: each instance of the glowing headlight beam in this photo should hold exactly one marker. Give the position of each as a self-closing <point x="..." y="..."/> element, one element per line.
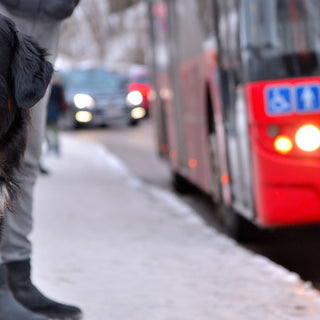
<point x="138" y="113"/>
<point x="308" y="138"/>
<point x="134" y="98"/>
<point x="283" y="144"/>
<point x="83" y="116"/>
<point x="83" y="101"/>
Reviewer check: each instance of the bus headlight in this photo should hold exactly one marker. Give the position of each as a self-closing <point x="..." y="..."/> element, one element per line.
<point x="138" y="113"/>
<point x="283" y="144"/>
<point x="82" y="101"/>
<point x="308" y="138"/>
<point x="134" y="98"/>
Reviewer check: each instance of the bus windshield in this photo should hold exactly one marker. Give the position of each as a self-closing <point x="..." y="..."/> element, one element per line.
<point x="280" y="38"/>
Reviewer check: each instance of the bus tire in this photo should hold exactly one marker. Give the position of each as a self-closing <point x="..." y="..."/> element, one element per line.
<point x="236" y="226"/>
<point x="181" y="184"/>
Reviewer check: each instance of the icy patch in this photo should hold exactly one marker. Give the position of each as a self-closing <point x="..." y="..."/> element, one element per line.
<point x="136" y="183"/>
<point x="179" y="207"/>
<point x="174" y="202"/>
<point x="112" y="161"/>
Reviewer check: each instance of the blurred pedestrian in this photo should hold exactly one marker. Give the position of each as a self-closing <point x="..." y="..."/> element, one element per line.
<point x="56" y="106"/>
<point x="19" y="298"/>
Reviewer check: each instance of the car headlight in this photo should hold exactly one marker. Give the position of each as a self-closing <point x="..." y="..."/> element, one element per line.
<point x="83" y="116"/>
<point x="134" y="98"/>
<point x="138" y="113"/>
<point x="82" y="101"/>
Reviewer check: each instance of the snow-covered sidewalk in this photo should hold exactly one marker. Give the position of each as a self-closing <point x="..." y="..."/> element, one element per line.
<point x="124" y="250"/>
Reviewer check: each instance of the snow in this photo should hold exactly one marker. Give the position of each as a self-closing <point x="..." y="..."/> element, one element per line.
<point x="122" y="249"/>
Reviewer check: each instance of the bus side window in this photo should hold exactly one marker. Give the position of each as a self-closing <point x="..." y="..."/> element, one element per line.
<point x="227" y="31"/>
<point x="160" y="16"/>
<point x="205" y="10"/>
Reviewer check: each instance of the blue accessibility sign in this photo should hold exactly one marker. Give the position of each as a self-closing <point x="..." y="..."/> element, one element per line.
<point x="279" y="100"/>
<point x="307" y="97"/>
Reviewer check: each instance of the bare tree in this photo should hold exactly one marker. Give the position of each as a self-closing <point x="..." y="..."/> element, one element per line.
<point x="104" y="30"/>
<point x="97" y="21"/>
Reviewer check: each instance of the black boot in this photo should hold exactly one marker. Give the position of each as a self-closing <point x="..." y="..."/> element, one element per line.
<point x="10" y="309"/>
<point x="19" y="281"/>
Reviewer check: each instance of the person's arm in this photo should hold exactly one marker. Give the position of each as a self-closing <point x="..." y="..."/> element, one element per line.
<point x="55" y="9"/>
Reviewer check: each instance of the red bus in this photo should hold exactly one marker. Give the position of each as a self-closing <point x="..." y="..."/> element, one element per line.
<point x="236" y="99"/>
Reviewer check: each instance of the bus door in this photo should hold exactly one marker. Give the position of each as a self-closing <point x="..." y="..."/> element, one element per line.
<point x="165" y="114"/>
<point x="227" y="25"/>
<point x="174" y="44"/>
<point x="191" y="84"/>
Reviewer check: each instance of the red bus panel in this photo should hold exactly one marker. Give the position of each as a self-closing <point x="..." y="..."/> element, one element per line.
<point x="286" y="185"/>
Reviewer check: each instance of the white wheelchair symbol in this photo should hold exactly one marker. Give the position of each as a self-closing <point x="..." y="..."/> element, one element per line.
<point x="278" y="102"/>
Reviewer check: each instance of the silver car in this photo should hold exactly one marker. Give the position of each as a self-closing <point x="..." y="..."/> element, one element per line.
<point x="99" y="97"/>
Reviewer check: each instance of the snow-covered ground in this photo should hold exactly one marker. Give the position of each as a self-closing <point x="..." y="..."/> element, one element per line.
<point x="122" y="249"/>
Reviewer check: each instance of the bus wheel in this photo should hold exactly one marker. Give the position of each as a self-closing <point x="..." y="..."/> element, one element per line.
<point x="181" y="184"/>
<point x="237" y="226"/>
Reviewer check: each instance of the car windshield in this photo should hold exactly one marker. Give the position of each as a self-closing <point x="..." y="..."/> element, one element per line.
<point x="141" y="79"/>
<point x="282" y="35"/>
<point x="98" y="80"/>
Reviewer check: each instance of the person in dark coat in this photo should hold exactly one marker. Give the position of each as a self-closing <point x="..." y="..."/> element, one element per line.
<point x="56" y="106"/>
